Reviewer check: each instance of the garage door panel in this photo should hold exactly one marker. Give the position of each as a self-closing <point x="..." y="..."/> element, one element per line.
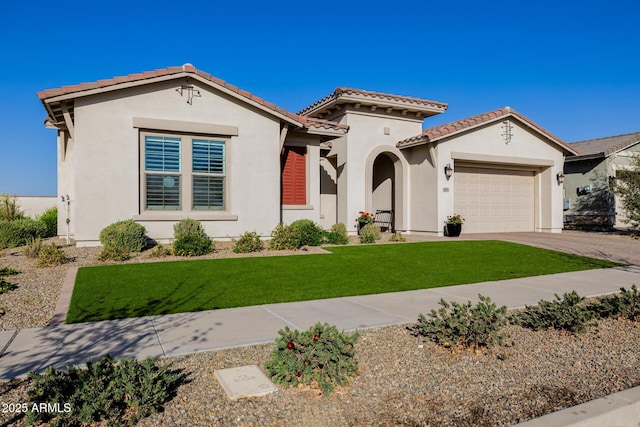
<point x="494" y="200"/>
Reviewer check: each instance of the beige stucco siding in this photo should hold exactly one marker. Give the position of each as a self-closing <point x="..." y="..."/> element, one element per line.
<point x="370" y="135"/>
<point x="107" y="179"/>
<point x="486" y="147"/>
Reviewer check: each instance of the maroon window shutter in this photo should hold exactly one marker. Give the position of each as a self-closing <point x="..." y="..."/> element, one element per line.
<point x="294" y="176"/>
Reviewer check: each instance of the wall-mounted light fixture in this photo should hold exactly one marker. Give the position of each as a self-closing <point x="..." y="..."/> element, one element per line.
<point x="560" y="178"/>
<point x="448" y="170"/>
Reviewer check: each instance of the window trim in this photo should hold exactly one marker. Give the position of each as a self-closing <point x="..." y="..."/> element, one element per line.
<point x="186" y="173"/>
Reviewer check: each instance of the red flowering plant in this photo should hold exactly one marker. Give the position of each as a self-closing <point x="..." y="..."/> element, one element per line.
<point x="365" y="217"/>
<point x="455" y="219"/>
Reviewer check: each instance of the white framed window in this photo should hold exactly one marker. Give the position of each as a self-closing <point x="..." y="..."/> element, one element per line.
<point x="208" y="168"/>
<point x="183" y="173"/>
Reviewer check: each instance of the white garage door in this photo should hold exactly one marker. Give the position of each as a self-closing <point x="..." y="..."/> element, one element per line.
<point x="494" y="200"/>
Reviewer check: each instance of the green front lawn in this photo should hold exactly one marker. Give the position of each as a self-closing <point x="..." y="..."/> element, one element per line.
<point x="133" y="290"/>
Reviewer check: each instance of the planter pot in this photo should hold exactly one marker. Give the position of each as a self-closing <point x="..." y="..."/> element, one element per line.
<point x="453" y="230"/>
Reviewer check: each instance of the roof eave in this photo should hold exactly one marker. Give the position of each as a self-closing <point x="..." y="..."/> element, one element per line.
<point x="174" y="76"/>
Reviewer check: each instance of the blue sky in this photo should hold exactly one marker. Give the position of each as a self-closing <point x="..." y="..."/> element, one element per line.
<point x="572" y="68"/>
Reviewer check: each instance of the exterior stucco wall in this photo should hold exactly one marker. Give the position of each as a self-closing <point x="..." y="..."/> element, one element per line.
<point x="423" y="203"/>
<point x="107" y="162"/>
<point x="487" y="147"/>
<point x="370" y="135"/>
<point x="600" y="207"/>
<point x="34" y="206"/>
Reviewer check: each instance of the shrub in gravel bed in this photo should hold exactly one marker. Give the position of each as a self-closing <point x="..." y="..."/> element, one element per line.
<point x="370" y="233"/>
<point x="568" y="313"/>
<point x="127" y="235"/>
<point x="625" y="304"/>
<point x="32" y="248"/>
<point x="50" y="256"/>
<point x="118" y="391"/>
<point x="7" y="271"/>
<point x="281" y="238"/>
<point x="464" y="325"/>
<point x="337" y="235"/>
<point x="248" y="242"/>
<point x="6" y="286"/>
<point x="321" y="355"/>
<point x="50" y="219"/>
<point x="190" y="239"/>
<point x="159" y="251"/>
<point x="18" y="232"/>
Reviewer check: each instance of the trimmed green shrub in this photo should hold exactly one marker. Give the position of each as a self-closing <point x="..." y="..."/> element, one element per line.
<point x="32" y="248"/>
<point x="321" y="354"/>
<point x="397" y="237"/>
<point x="464" y="325"/>
<point x="625" y="304"/>
<point x="50" y="219"/>
<point x="337" y="235"/>
<point x="114" y="253"/>
<point x="281" y="238"/>
<point x="50" y="256"/>
<point x="248" y="242"/>
<point x="126" y="235"/>
<point x="568" y="313"/>
<point x="18" y="232"/>
<point x="305" y="232"/>
<point x="190" y="239"/>
<point x="370" y="233"/>
<point x="118" y="391"/>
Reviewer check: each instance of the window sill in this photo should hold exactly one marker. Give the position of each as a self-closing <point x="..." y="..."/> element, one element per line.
<point x="177" y="216"/>
<point x="297" y="207"/>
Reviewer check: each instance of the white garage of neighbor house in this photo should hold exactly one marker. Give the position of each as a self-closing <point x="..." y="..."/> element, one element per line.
<point x="177" y="143"/>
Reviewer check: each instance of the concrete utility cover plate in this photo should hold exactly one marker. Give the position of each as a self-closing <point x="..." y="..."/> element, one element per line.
<point x="245" y="381"/>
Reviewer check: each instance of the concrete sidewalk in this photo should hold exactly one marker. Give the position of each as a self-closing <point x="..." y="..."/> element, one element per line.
<point x="60" y="346"/>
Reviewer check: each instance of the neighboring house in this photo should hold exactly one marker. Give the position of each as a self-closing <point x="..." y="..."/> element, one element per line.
<point x="174" y="143"/>
<point x="589" y="197"/>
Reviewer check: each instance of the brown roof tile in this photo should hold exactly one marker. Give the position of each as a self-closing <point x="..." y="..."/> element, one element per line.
<point x="186" y="68"/>
<point x="437" y="132"/>
<point x="374" y="95"/>
<point x="606" y="146"/>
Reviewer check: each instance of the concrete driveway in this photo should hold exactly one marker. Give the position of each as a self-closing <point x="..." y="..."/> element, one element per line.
<point x="609" y="246"/>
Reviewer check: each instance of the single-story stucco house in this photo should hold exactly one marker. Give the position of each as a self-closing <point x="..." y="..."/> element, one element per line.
<point x="589" y="197"/>
<point x="177" y="142"/>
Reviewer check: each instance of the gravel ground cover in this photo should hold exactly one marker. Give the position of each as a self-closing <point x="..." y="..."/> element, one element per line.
<point x="405" y="381"/>
<point x="402" y="380"/>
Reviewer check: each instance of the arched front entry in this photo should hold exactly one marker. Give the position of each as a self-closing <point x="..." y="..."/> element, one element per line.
<point x="383" y="188"/>
<point x="385" y="185"/>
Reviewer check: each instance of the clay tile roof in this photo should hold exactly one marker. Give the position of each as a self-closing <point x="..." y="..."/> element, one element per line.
<point x="189" y="69"/>
<point x="436" y="133"/>
<point x="340" y="91"/>
<point x="606" y="146"/>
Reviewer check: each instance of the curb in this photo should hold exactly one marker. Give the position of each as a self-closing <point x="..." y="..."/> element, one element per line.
<point x="620" y="409"/>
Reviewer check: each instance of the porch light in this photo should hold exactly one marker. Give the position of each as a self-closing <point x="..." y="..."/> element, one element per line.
<point x="448" y="170"/>
<point x="560" y="178"/>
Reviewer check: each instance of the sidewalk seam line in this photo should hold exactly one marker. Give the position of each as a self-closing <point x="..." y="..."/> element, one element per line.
<point x="153" y="325"/>
<point x="13" y="337"/>
<point x="372" y="307"/>
<point x="279" y="317"/>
